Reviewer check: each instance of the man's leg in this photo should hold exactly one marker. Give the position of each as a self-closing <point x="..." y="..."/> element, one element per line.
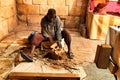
<point x="32" y="51"/>
<point x="36" y="40"/>
<point x="67" y="39"/>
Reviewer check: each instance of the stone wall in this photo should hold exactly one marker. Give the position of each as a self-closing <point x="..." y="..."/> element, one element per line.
<point x="99" y="1"/>
<point x="8" y="18"/>
<point x="72" y="12"/>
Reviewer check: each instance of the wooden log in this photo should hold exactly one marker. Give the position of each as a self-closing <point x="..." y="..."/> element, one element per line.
<point x="104" y="54"/>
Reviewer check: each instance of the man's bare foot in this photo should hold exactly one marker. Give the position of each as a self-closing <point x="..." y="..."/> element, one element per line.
<point x="70" y="55"/>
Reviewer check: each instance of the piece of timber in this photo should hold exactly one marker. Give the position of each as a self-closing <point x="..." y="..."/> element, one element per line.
<point x="53" y="76"/>
<point x="104" y="54"/>
<point x="36" y="70"/>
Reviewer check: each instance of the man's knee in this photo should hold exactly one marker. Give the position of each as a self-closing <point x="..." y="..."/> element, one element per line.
<point x="65" y="32"/>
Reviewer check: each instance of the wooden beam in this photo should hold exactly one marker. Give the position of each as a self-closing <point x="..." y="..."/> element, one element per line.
<point x="37" y="70"/>
<point x="31" y="75"/>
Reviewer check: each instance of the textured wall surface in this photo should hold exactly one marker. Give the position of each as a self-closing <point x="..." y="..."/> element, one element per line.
<point x="8" y="18"/>
<point x="71" y="11"/>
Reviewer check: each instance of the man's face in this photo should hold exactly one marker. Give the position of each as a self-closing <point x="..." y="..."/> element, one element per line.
<point x="51" y="17"/>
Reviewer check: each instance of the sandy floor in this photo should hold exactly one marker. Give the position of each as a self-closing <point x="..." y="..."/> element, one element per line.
<point x="83" y="50"/>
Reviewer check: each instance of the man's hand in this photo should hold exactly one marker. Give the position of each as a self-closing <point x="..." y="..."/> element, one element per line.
<point x="59" y="44"/>
<point x="51" y="39"/>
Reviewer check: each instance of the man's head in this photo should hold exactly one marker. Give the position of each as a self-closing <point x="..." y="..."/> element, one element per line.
<point x="51" y="14"/>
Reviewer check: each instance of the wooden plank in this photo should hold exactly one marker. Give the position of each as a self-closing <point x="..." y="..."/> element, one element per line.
<point x="36" y="70"/>
<point x="23" y="75"/>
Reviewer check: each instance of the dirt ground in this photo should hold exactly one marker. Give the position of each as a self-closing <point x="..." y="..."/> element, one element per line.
<point x="83" y="50"/>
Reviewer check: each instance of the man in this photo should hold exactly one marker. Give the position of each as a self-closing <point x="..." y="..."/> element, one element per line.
<point x="51" y="31"/>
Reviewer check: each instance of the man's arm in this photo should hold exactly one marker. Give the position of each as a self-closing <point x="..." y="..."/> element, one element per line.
<point x="58" y="31"/>
<point x="44" y="31"/>
<point x="58" y="28"/>
<point x="43" y="28"/>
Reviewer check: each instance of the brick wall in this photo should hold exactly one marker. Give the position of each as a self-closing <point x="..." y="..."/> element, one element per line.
<point x="31" y="11"/>
<point x="8" y="18"/>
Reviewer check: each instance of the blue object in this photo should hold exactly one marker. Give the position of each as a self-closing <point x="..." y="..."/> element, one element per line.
<point x="31" y="36"/>
<point x="33" y="32"/>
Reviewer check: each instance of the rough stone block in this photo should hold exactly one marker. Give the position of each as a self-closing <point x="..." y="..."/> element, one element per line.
<point x="44" y="9"/>
<point x="63" y="19"/>
<point x="76" y="11"/>
<point x="14" y="9"/>
<point x="61" y="10"/>
<point x="83" y="10"/>
<point x="1" y="31"/>
<point x="1" y="18"/>
<point x="12" y="2"/>
<point x="27" y="1"/>
<point x="28" y="9"/>
<point x="56" y="2"/>
<point x="22" y="18"/>
<point x="84" y="3"/>
<point x="72" y="22"/>
<point x="3" y="28"/>
<point x="7" y="2"/>
<point x="7" y="12"/>
<point x="19" y="1"/>
<point x="12" y="22"/>
<point x="40" y="2"/>
<point x="71" y="2"/>
<point x="79" y="2"/>
<point x="34" y="20"/>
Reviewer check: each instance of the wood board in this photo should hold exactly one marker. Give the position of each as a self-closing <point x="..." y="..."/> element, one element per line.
<point x="36" y="70"/>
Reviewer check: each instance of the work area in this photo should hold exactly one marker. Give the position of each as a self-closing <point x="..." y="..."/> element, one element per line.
<point x="55" y="40"/>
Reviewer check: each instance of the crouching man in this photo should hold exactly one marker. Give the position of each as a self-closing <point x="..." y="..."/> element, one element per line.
<point x="51" y="30"/>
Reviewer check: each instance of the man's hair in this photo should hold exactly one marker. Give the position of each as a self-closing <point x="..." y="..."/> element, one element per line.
<point x="51" y="11"/>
